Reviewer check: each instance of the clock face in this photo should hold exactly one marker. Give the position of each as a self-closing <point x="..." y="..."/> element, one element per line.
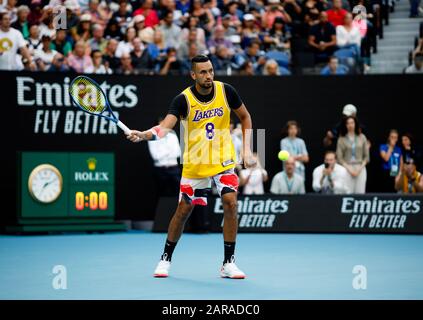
<point x="45" y="183"/>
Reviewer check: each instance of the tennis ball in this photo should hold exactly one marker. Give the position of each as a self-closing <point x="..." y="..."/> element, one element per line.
<point x="283" y="155"/>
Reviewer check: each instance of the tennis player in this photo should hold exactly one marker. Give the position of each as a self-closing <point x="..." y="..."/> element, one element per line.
<point x="204" y="110"/>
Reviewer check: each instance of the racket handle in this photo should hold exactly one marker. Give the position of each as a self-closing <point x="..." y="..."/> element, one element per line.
<point x="123" y="127"/>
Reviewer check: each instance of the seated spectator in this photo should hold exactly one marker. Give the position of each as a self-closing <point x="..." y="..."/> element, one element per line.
<point x="171" y="32"/>
<point x="254" y="55"/>
<point x="330" y="177"/>
<point x="409" y="149"/>
<point x="126" y="67"/>
<point x="271" y="68"/>
<point x="274" y="10"/>
<point x="98" y="67"/>
<point x="246" y="69"/>
<point x="58" y="64"/>
<point x="61" y="44"/>
<point x="141" y="59"/>
<point x="146" y="34"/>
<point x="218" y="38"/>
<point x="295" y="146"/>
<point x="112" y="30"/>
<point x="98" y="13"/>
<point x="353" y="153"/>
<point x="250" y="29"/>
<point x="157" y="47"/>
<point x="417" y="66"/>
<point x="348" y="36"/>
<point x="170" y="65"/>
<point x="47" y="23"/>
<point x="310" y="10"/>
<point x="122" y="17"/>
<point x="204" y="15"/>
<point x="125" y="46"/>
<point x="21" y="22"/>
<point x="252" y="179"/>
<point x="221" y="61"/>
<point x="79" y="60"/>
<point x="109" y="56"/>
<point x="390" y="154"/>
<point x="334" y="68"/>
<point x="278" y="38"/>
<point x="193" y="23"/>
<point x="83" y="29"/>
<point x="231" y="28"/>
<point x="34" y="39"/>
<point x="36" y="12"/>
<point x="287" y="181"/>
<point x="409" y="180"/>
<point x="336" y="14"/>
<point x="183" y="51"/>
<point x="170" y="5"/>
<point x="322" y="38"/>
<point x="44" y="55"/>
<point x="9" y="7"/>
<point x="97" y="42"/>
<point x="151" y="17"/>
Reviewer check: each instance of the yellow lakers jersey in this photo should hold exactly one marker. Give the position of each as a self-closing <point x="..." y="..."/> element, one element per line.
<point x="208" y="147"/>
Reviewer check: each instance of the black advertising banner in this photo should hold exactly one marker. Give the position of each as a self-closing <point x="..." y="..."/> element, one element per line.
<point x="372" y="213"/>
<point x="38" y="116"/>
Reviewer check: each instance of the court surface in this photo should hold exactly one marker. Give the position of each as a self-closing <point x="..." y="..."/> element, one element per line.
<point x="278" y="266"/>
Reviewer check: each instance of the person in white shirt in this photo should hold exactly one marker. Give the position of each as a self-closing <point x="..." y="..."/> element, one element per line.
<point x="348" y="36"/>
<point x="165" y="153"/>
<point x="44" y="55"/>
<point x="11" y="40"/>
<point x="288" y="181"/>
<point x="330" y="177"/>
<point x="252" y="178"/>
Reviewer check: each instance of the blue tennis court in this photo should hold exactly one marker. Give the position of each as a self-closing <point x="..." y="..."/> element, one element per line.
<point x="278" y="266"/>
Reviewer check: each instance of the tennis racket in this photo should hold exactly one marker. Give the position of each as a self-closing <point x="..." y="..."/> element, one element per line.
<point x="87" y="95"/>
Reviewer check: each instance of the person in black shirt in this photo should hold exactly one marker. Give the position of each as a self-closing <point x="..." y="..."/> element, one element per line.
<point x="322" y="38"/>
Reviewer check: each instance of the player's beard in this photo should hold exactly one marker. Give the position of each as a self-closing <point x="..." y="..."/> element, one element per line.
<point x="206" y="85"/>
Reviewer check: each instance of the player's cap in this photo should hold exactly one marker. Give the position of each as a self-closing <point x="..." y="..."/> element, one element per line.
<point x="249" y="17"/>
<point x="349" y="110"/>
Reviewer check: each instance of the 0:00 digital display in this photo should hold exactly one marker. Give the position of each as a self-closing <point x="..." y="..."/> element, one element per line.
<point x="94" y="201"/>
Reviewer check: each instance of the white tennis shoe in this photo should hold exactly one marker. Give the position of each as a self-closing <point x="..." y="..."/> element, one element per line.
<point x="230" y="270"/>
<point x="162" y="269"/>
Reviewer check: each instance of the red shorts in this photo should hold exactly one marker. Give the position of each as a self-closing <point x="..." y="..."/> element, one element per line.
<point x="195" y="191"/>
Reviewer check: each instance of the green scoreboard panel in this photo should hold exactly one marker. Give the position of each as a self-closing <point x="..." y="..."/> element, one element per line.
<point x="66" y="191"/>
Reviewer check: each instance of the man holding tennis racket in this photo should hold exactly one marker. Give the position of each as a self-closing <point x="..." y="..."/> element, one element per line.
<point x="204" y="110"/>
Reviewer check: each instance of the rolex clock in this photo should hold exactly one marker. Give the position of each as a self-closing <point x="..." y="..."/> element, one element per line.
<point x="45" y="183"/>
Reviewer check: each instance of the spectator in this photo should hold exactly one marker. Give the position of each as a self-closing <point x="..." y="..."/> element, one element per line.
<point x="230" y="27"/>
<point x="250" y="29"/>
<point x="417" y="66"/>
<point x="414" y="8"/>
<point x="79" y="60"/>
<point x="98" y="67"/>
<point x="287" y="181"/>
<point x="183" y="51"/>
<point x="12" y="41"/>
<point x="274" y="10"/>
<point x="348" y="36"/>
<point x="252" y="179"/>
<point x="221" y="61"/>
<point x="311" y="10"/>
<point x="170" y="5"/>
<point x="254" y="55"/>
<point x="330" y="177"/>
<point x="34" y="38"/>
<point x="58" y="64"/>
<point x="171" y="65"/>
<point x="125" y="46"/>
<point x="44" y="55"/>
<point x="98" y="13"/>
<point x="150" y="15"/>
<point x="353" y="153"/>
<point x="36" y="13"/>
<point x="192" y="23"/>
<point x="112" y="30"/>
<point x="165" y="153"/>
<point x="409" y="149"/>
<point x="126" y="66"/>
<point x="141" y="59"/>
<point x="322" y="38"/>
<point x="390" y="154"/>
<point x="21" y="22"/>
<point x="271" y="68"/>
<point x="122" y="16"/>
<point x="246" y="69"/>
<point x="204" y="15"/>
<point x="171" y="32"/>
<point x="109" y="56"/>
<point x="336" y="15"/>
<point x="146" y="34"/>
<point x="83" y="30"/>
<point x="98" y="42"/>
<point x="61" y="44"/>
<point x="218" y="38"/>
<point x="409" y="180"/>
<point x="295" y="146"/>
<point x="278" y="38"/>
<point x="331" y="138"/>
<point x="10" y="8"/>
<point x="334" y="68"/>
<point x="157" y="48"/>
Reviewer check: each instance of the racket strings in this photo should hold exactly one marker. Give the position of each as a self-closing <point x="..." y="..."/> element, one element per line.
<point x="88" y="96"/>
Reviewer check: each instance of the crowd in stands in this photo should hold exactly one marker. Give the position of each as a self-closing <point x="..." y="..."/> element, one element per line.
<point x="246" y="37"/>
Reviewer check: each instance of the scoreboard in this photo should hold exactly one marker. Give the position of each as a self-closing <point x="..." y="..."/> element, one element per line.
<point x="66" y="191"/>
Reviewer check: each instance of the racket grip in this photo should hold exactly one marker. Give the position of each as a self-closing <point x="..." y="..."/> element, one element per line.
<point x="123" y="127"/>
